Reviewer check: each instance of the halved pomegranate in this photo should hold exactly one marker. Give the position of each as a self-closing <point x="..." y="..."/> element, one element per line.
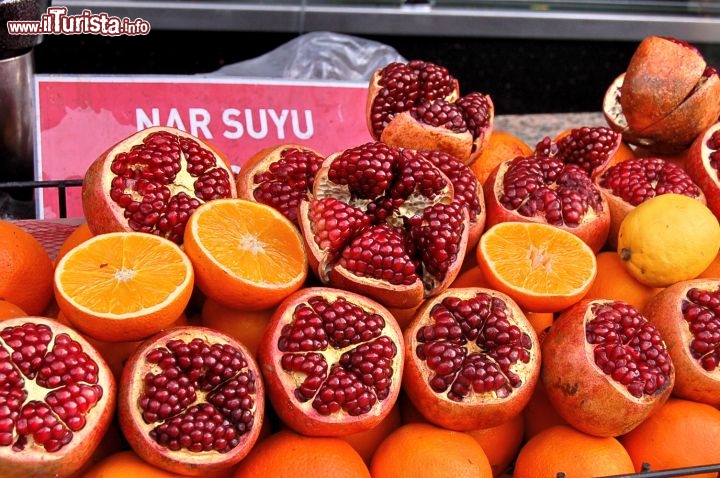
<point x="629" y="183"/>
<point x="554" y="185"/>
<point x="472" y="359"/>
<point x="191" y="400"/>
<point x="332" y="361"/>
<point x="667" y="96"/>
<point x="388" y="223"/>
<point x="57" y="399"/>
<point x="152" y="181"/>
<point x="280" y="177"/>
<point x="703" y="165"/>
<point x="605" y="367"/>
<point x="687" y="314"/>
<point x="417" y="105"/>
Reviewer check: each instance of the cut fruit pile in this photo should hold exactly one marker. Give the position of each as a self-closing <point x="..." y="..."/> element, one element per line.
<point x="444" y="300"/>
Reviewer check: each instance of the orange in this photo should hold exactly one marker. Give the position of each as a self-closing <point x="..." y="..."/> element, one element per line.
<point x="563" y="449"/>
<point x="614" y="282"/>
<point x="246" y="255"/>
<point x="713" y="270"/>
<point x="287" y="454"/>
<point x="681" y="433"/>
<point x="542" y="267"/>
<point x="78" y="236"/>
<point x="366" y="442"/>
<point x="8" y="310"/>
<point x="500" y="147"/>
<point x="539" y="413"/>
<point x="123" y="286"/>
<point x="247" y="326"/>
<point x="540" y="321"/>
<point x="420" y="449"/>
<point x="124" y="464"/>
<point x="26" y="277"/>
<point x="500" y="443"/>
<point x="472" y="277"/>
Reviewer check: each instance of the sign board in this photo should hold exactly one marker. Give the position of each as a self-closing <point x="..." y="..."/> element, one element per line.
<point x="81" y="116"/>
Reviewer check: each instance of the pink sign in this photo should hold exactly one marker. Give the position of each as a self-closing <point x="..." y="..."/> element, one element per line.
<point x="79" y="117"/>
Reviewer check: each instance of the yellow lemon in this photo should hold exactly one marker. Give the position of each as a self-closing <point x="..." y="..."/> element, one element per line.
<point x="667" y="239"/>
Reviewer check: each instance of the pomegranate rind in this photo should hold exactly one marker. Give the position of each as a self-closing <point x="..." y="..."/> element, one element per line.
<point x="479" y="410"/>
<point x="661" y="74"/>
<point x="580" y="392"/>
<point x="35" y="461"/>
<point x="664" y="309"/>
<point x="281" y="385"/>
<point x="593" y="230"/>
<point x="135" y="430"/>
<point x="103" y="215"/>
<point x="404" y="131"/>
<point x="700" y="169"/>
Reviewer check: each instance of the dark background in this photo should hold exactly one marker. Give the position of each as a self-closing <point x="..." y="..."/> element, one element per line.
<point x="522" y="76"/>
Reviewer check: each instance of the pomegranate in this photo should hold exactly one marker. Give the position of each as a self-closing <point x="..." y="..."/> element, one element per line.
<point x="387" y="223"/>
<point x="417" y="105"/>
<point x="191" y="400"/>
<point x="631" y="182"/>
<point x="152" y="181"/>
<point x="554" y="185"/>
<point x="280" y="177"/>
<point x="703" y="165"/>
<point x="667" y="96"/>
<point x="332" y="362"/>
<point x="687" y="315"/>
<point x="57" y="399"/>
<point x="472" y="359"/>
<point x="605" y="367"/>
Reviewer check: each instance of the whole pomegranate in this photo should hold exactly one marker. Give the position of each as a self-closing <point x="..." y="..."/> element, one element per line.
<point x="631" y="182"/>
<point x="57" y="399"/>
<point x="703" y="165"/>
<point x="555" y="185"/>
<point x="666" y="97"/>
<point x="191" y="400"/>
<point x="418" y="105"/>
<point x="152" y="181"/>
<point x="605" y="367"/>
<point x="332" y="361"/>
<point x="687" y="315"/>
<point x="472" y="359"/>
<point x="390" y="224"/>
<point x="280" y="177"/>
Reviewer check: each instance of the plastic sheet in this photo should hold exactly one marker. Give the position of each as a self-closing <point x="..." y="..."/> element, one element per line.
<point x="317" y="56"/>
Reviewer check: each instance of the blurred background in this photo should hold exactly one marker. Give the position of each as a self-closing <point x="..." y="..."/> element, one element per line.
<point x="532" y="57"/>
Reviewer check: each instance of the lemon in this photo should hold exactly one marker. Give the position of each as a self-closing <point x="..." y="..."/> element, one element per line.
<point x="668" y="239"/>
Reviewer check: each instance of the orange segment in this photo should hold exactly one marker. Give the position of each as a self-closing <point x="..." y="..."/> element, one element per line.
<point x="246" y="255"/>
<point x="542" y="267"/>
<point x="123" y="286"/>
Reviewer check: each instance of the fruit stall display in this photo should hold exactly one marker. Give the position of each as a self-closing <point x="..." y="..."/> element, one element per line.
<point x="443" y="300"/>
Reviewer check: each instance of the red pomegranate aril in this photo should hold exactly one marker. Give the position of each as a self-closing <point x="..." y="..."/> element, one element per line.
<point x="687" y="314"/>
<point x="332" y="361"/>
<point x="472" y="359"/>
<point x="591" y="148"/>
<point x="191" y="400"/>
<point x="57" y="395"/>
<point x="605" y="367"/>
<point x="152" y="181"/>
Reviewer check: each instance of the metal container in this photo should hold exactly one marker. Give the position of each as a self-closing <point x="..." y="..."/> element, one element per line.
<point x="17" y="117"/>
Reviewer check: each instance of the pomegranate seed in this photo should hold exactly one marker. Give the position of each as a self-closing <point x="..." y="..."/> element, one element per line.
<point x="701" y="310"/>
<point x="628" y="348"/>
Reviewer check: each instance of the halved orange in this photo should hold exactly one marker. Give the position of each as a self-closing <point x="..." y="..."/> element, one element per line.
<point x="123" y="286"/>
<point x="544" y="268"/>
<point x="246" y="255"/>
